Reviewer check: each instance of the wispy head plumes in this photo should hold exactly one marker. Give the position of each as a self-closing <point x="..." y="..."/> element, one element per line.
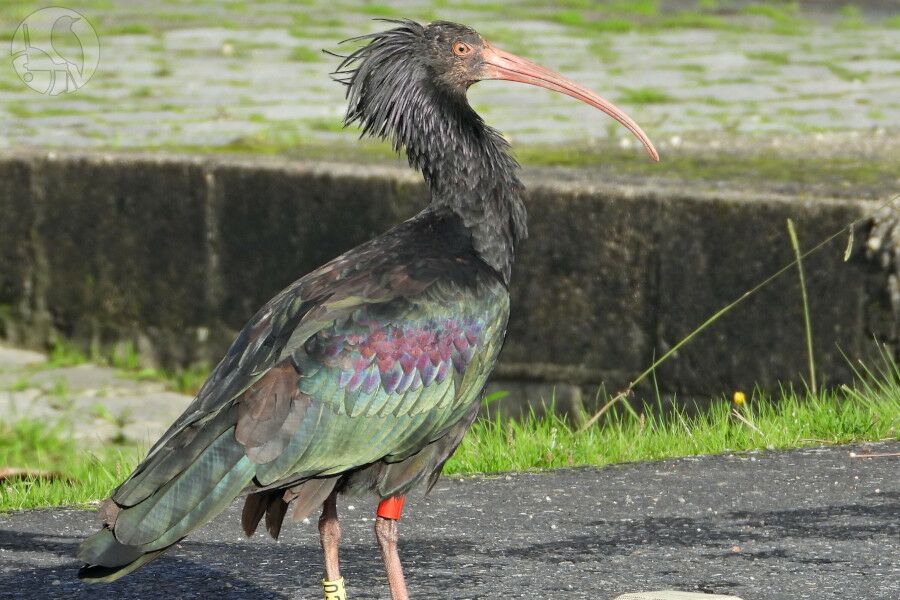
<point x="383" y="80"/>
<point x="397" y="88"/>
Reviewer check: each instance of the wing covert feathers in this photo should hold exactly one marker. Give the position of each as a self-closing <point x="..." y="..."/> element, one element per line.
<point x="362" y="376"/>
<point x="270" y="413"/>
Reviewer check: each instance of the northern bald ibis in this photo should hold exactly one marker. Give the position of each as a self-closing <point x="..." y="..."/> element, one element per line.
<point x="363" y="375"/>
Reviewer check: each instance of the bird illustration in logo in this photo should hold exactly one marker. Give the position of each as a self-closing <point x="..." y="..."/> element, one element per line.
<point x="55" y="51"/>
<point x="67" y="45"/>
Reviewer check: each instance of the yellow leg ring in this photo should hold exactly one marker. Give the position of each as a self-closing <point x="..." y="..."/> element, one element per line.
<point x="334" y="590"/>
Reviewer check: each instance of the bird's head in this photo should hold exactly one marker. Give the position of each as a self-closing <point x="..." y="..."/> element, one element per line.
<point x="66" y="21"/>
<point x="387" y="76"/>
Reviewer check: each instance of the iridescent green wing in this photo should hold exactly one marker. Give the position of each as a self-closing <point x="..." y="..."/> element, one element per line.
<point x="380" y="383"/>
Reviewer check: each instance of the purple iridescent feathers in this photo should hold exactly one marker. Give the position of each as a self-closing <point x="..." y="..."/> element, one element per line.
<point x="398" y="357"/>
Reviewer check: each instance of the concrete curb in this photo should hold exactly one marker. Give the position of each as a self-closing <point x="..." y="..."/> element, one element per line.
<point x="176" y="252"/>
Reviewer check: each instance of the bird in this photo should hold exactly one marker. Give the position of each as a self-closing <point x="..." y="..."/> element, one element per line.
<point x="361" y="377"/>
<point x="66" y="43"/>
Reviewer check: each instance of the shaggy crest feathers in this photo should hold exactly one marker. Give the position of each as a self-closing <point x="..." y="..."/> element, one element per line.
<point x="394" y="91"/>
<point x="372" y="86"/>
<point x="391" y="93"/>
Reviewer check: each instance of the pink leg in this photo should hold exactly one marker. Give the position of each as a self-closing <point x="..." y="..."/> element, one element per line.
<point x="330" y="536"/>
<point x="388" y="535"/>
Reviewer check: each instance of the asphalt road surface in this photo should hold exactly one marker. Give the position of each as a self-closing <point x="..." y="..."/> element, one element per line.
<point x="814" y="523"/>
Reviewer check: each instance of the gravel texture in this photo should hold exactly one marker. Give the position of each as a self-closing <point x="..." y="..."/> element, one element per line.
<point x="816" y="523"/>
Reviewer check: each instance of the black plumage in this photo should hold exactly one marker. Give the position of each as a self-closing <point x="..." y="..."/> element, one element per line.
<point x="362" y="376"/>
<point x="394" y="90"/>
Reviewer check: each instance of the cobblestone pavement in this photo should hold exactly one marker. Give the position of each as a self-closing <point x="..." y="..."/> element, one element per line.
<point x="110" y="404"/>
<point x="179" y="74"/>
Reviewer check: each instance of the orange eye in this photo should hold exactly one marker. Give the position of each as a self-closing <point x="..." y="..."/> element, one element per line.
<point x="461" y="48"/>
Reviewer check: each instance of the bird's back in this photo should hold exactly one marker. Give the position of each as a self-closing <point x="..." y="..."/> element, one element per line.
<point x="361" y="376"/>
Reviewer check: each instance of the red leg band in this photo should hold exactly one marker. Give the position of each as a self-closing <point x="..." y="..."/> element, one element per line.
<point x="390" y="508"/>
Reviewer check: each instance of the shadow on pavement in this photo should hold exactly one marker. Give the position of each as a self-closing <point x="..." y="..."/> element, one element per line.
<point x="268" y="570"/>
<point x="261" y="571"/>
<point x="720" y="532"/>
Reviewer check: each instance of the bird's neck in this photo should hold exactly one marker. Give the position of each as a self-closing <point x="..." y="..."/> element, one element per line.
<point x="469" y="171"/>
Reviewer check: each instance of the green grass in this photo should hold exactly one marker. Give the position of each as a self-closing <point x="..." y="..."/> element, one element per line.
<point x="144" y="91"/>
<point x="621" y="16"/>
<point x="20" y="385"/>
<point x="325" y="124"/>
<point x="304" y="54"/>
<point x="692" y="20"/>
<point x="186" y="380"/>
<point x="65" y="354"/>
<point x="572" y="18"/>
<point x="127" y="29"/>
<point x="644" y="95"/>
<point x="775" y="58"/>
<point x="692" y="68"/>
<point x="784" y="19"/>
<point x="602" y="49"/>
<point x="851" y="18"/>
<point x="381" y="10"/>
<point x="718" y="166"/>
<point x="303" y="21"/>
<point x="646" y="8"/>
<point x="43" y="110"/>
<point x="868" y="411"/>
<point x="81" y="476"/>
<point x="844" y="73"/>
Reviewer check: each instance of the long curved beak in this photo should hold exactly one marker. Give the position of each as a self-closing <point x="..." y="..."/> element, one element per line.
<point x="509" y="67"/>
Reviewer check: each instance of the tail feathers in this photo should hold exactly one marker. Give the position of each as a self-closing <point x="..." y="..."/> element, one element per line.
<point x="308" y="496"/>
<point x="165" y="463"/>
<point x="103" y="548"/>
<point x="275" y="516"/>
<point x="136" y="534"/>
<point x="270" y="504"/>
<point x="195" y="496"/>
<point x="302" y="499"/>
<point x="108" y="559"/>
<point x="399" y="476"/>
<point x="255" y="507"/>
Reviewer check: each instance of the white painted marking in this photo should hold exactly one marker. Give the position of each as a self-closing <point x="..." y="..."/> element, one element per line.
<point x="673" y="595"/>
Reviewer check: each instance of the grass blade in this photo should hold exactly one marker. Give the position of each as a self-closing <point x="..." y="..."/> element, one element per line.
<point x="807" y="320"/>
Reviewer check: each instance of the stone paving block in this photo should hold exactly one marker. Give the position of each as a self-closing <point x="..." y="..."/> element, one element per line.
<point x="12" y="359"/>
<point x="97" y="404"/>
<point x="673" y="595"/>
<point x="716" y="81"/>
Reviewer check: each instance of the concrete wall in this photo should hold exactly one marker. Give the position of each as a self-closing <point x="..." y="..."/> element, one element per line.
<point x="176" y="253"/>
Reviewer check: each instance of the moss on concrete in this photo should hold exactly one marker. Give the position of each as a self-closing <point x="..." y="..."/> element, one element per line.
<point x="840" y="175"/>
<point x="711" y="166"/>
